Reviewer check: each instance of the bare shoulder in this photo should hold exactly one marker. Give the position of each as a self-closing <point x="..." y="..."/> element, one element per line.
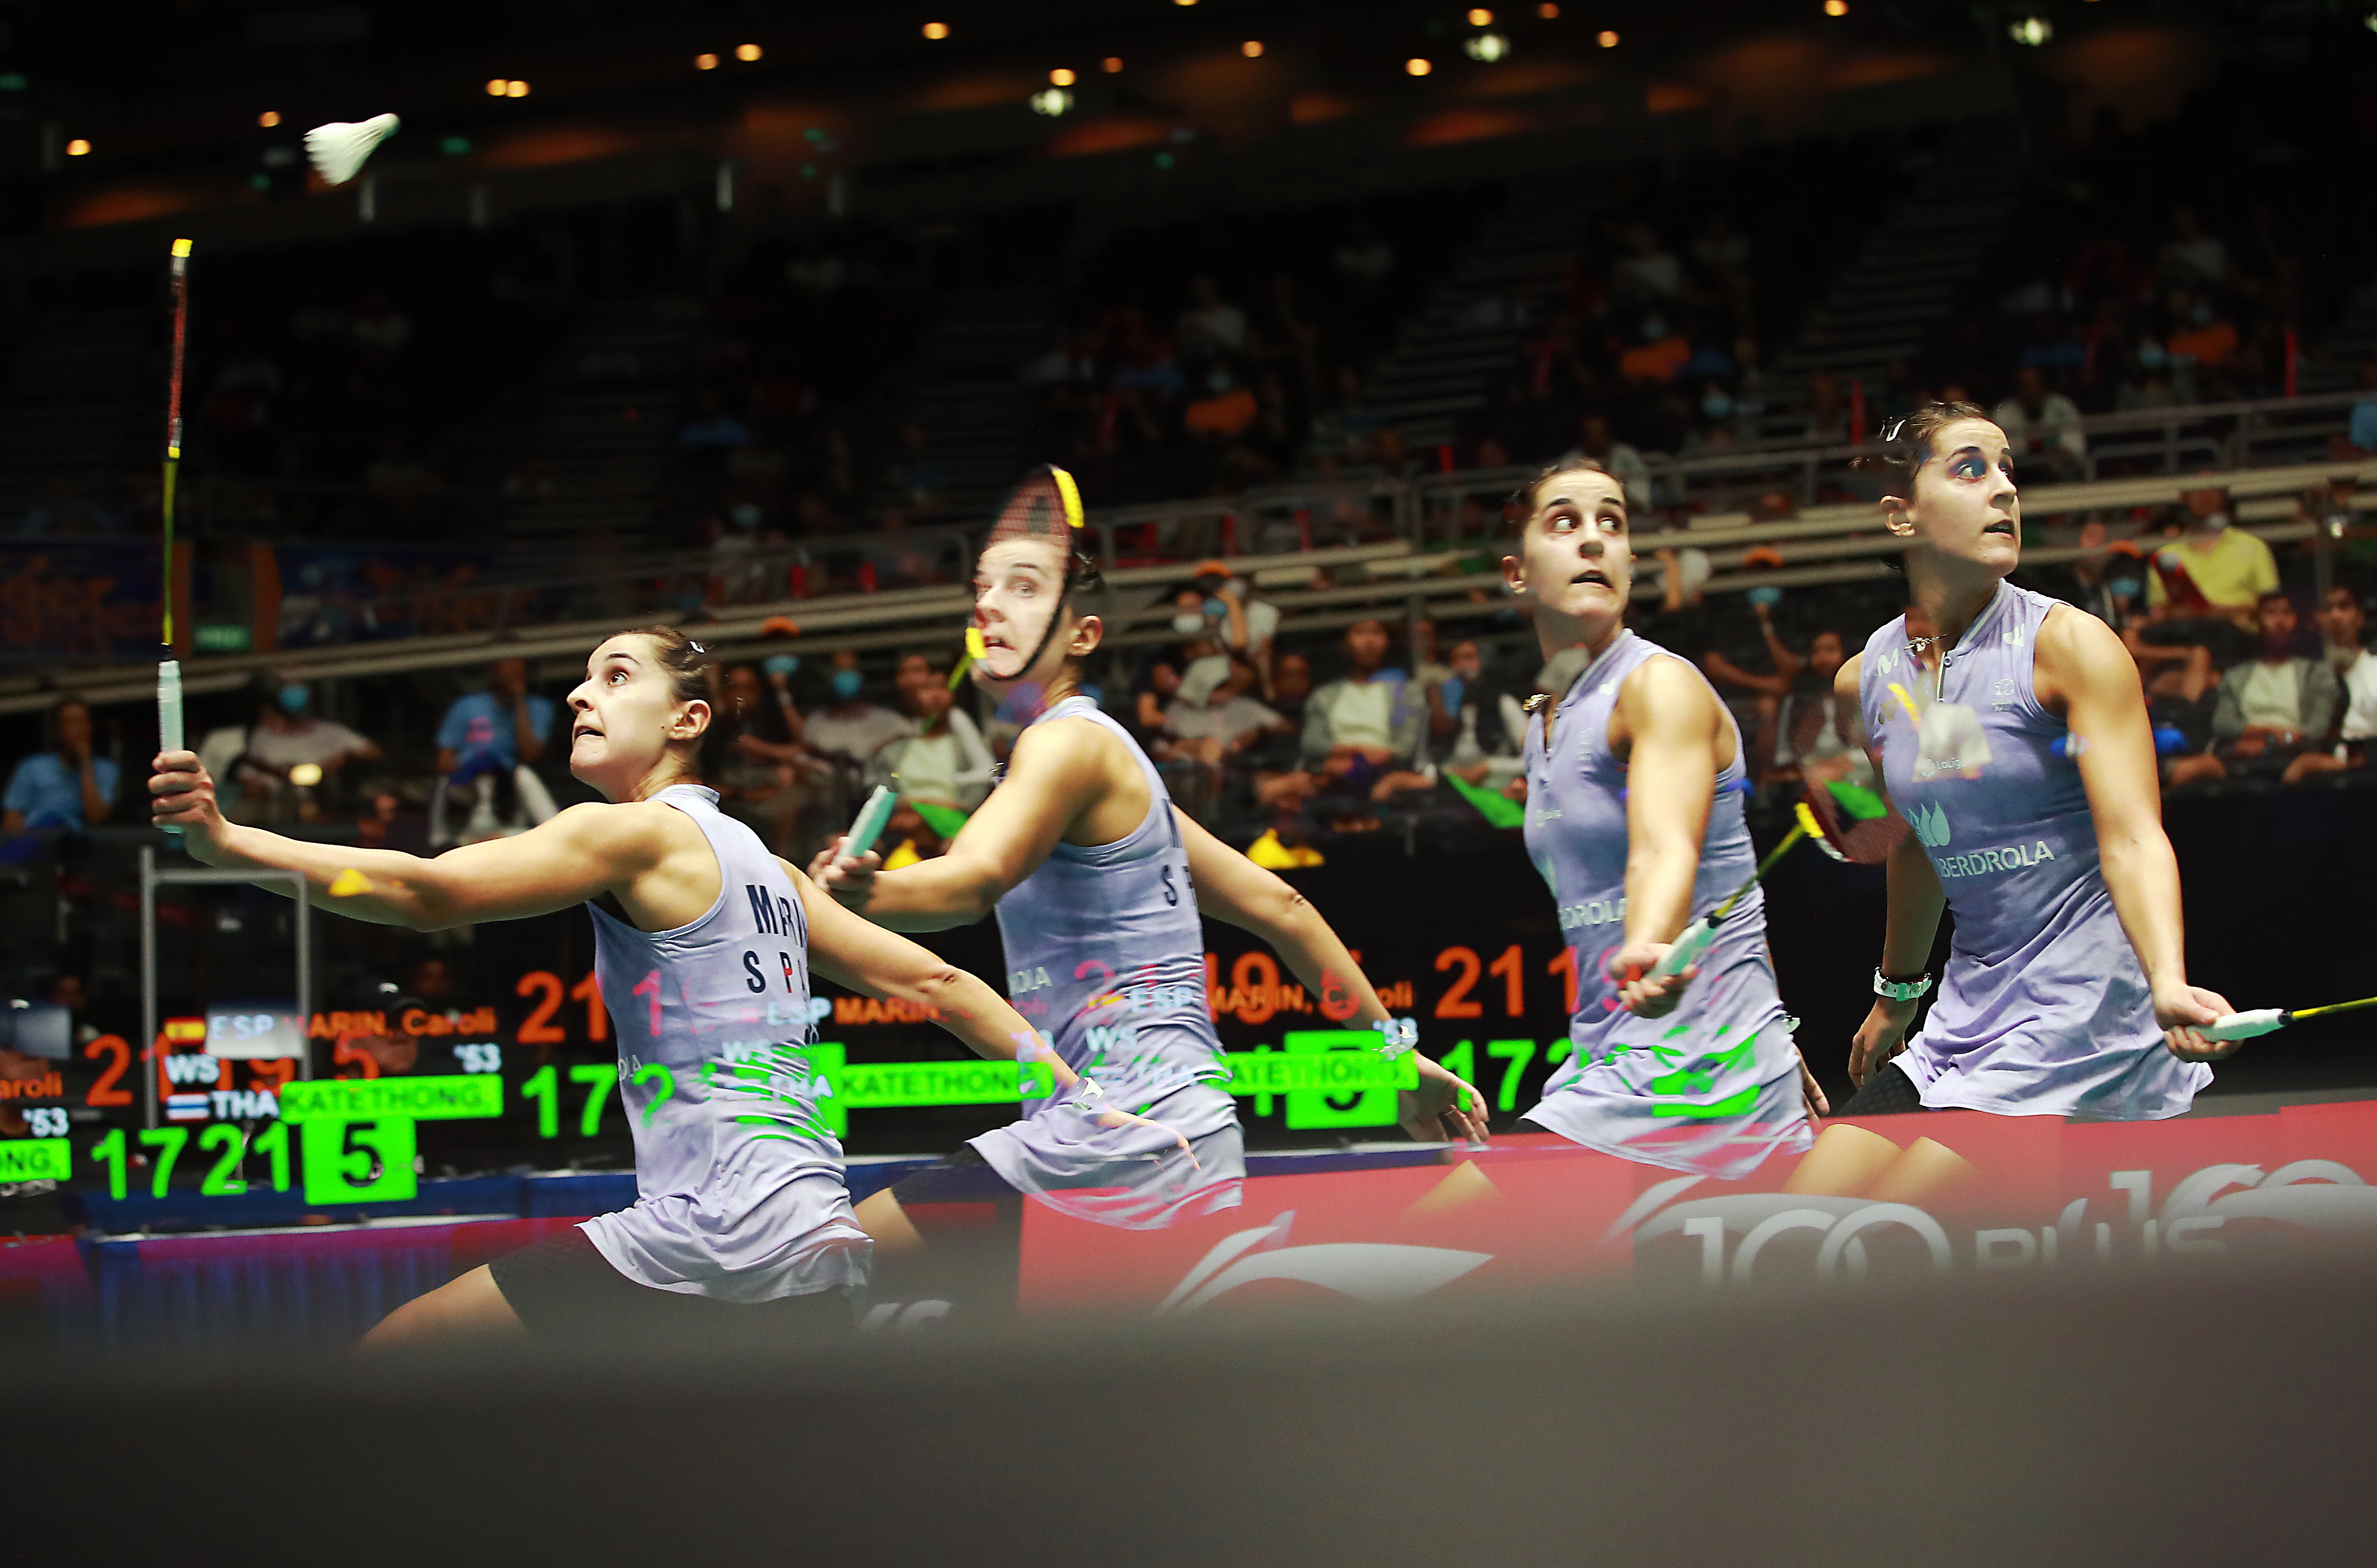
<point x="1844" y="681"/>
<point x="1669" y="687"/>
<point x="2073" y="643"/>
<point x="1063" y="744"/>
<point x="626" y="830"/>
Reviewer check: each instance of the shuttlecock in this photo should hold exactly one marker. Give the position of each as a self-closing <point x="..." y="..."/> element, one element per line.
<point x="338" y="149"/>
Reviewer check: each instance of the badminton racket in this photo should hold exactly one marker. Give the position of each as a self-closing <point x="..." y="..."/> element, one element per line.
<point x="2267" y="1019"/>
<point x="1046" y="507"/>
<point x="169" y="669"/>
<point x="872" y="819"/>
<point x="1833" y="816"/>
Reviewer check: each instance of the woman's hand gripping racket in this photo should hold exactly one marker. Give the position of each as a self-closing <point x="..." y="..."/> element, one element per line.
<point x="2234" y="1028"/>
<point x="1848" y="822"/>
<point x="846" y="867"/>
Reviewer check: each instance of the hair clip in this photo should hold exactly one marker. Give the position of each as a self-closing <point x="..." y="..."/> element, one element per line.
<point x="1892" y="431"/>
<point x="695" y="646"/>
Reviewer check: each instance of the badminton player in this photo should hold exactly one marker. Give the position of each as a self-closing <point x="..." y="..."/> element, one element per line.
<point x="1634" y="819"/>
<point x="1098" y="882"/>
<point x="2014" y="741"/>
<point x="703" y="946"/>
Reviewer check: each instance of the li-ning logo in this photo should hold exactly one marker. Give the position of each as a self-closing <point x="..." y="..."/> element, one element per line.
<point x="1379" y="1272"/>
<point x="1930" y="825"/>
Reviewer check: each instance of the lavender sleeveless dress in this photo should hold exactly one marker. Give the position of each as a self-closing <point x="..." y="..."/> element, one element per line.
<point x="2044" y="1009"/>
<point x="1105" y="956"/>
<point x="1712" y="1088"/>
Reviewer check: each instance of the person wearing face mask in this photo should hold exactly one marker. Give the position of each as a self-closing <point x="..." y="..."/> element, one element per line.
<point x="2043" y="425"/>
<point x="2340" y="623"/>
<point x="850" y="729"/>
<point x="2153" y="381"/>
<point x="1098" y="881"/>
<point x="285" y="737"/>
<point x="2213" y="570"/>
<point x="704" y="945"/>
<point x="2011" y="741"/>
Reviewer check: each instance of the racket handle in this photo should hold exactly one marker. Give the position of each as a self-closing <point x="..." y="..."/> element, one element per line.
<point x="2245" y="1026"/>
<point x="1693" y="942"/>
<point x="872" y="819"/>
<point x="169" y="709"/>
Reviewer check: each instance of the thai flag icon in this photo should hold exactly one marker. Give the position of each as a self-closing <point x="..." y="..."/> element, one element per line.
<point x="185" y="1107"/>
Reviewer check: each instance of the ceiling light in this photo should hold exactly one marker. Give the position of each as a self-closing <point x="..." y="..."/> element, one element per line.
<point x="495" y="86"/>
<point x="515" y="89"/>
<point x="1111" y="64"/>
<point x="2033" y="30"/>
<point x="1480" y="16"/>
<point x="1836" y="7"/>
<point x="936" y="31"/>
<point x="1051" y="101"/>
<point x="1548" y="11"/>
<point x="1606" y="38"/>
<point x="77" y="147"/>
<point x="1062" y="76"/>
<point x="1487" y="47"/>
<point x="268" y="119"/>
<point x="1251" y="49"/>
<point x="747" y="52"/>
<point x="1417" y="67"/>
<point x="705" y="62"/>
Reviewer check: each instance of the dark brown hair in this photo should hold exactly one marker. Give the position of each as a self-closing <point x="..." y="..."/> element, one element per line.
<point x="694" y="676"/>
<point x="1521" y="503"/>
<point x="1906" y="444"/>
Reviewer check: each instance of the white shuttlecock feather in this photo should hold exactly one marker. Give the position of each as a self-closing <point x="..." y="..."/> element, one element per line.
<point x="338" y="149"/>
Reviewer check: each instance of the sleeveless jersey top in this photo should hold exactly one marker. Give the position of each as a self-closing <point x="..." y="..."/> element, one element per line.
<point x="2044" y="1009"/>
<point x="739" y="1190"/>
<point x="1713" y="1087"/>
<point x="1105" y="957"/>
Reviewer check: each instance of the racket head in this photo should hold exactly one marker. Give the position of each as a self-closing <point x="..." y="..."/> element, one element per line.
<point x="1045" y="506"/>
<point x="1045" y="509"/>
<point x="1850" y="822"/>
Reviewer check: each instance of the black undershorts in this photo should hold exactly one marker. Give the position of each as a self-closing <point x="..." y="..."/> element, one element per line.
<point x="1887" y="1093"/>
<point x="972" y="1225"/>
<point x="563" y="1288"/>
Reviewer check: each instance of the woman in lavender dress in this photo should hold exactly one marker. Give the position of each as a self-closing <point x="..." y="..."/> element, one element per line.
<point x="1635" y="822"/>
<point x="2015" y="746"/>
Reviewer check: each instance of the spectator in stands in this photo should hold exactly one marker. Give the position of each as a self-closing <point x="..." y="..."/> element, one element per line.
<point x="1211" y="328"/>
<point x="1153" y="691"/>
<point x="63" y="786"/>
<point x="2363" y="429"/>
<point x="1280" y="778"/>
<point x="1647" y="272"/>
<point x="2153" y="381"/>
<point x="1206" y="737"/>
<point x="2273" y="712"/>
<point x="1247" y="624"/>
<point x="2212" y="570"/>
<point x="2042" y="425"/>
<point x="762" y="766"/>
<point x="945" y="762"/>
<point x="1599" y="443"/>
<point x="849" y="729"/>
<point x="289" y="758"/>
<point x="504" y="726"/>
<point x="2200" y="335"/>
<point x="1817" y="733"/>
<point x="1661" y="353"/>
<point x="1770" y="687"/>
<point x="2341" y="620"/>
<point x="2191" y="255"/>
<point x="1468" y="728"/>
<point x="1362" y="729"/>
<point x="1225" y="410"/>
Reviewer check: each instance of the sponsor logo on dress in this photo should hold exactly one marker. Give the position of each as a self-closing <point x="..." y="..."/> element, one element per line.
<point x="1987" y="862"/>
<point x="1595" y="912"/>
<point x="1930" y="824"/>
<point x="2001" y="693"/>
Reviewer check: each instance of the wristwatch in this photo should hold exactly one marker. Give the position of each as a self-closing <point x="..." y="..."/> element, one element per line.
<point x="1900" y="990"/>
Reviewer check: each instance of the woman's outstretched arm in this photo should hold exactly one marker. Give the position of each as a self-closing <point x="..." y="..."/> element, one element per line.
<point x="582" y="854"/>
